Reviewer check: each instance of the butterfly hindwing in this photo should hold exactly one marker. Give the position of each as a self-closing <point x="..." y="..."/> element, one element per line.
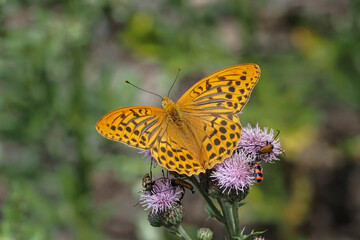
<point x="176" y="158"/>
<point x="202" y="142"/>
<point x="223" y="92"/>
<point x="223" y="133"/>
<point x="178" y="151"/>
<point x="135" y="126"/>
<point x="217" y="136"/>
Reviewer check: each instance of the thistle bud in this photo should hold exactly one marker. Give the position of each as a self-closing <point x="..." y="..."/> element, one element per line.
<point x="204" y="234"/>
<point x="172" y="216"/>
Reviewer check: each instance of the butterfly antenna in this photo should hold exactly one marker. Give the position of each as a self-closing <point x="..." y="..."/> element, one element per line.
<point x="142" y="89"/>
<point x="177" y="75"/>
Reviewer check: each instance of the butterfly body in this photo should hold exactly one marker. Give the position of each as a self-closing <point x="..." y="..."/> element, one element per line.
<point x="172" y="111"/>
<point x="198" y="131"/>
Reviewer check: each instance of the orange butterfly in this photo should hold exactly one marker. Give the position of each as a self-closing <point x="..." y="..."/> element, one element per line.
<point x="198" y="131"/>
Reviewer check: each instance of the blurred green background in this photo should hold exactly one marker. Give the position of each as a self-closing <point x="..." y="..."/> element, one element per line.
<point x="63" y="66"/>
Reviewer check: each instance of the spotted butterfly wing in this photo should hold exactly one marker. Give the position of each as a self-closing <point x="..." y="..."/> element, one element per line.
<point x="211" y="128"/>
<point x="223" y="92"/>
<point x="216" y="99"/>
<point x="136" y="126"/>
<point x="198" y="146"/>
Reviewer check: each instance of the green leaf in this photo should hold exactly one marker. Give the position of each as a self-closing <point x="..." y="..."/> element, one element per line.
<point x="250" y="236"/>
<point x="209" y="210"/>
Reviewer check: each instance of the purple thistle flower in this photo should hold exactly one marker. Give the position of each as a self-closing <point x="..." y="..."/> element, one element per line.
<point x="148" y="156"/>
<point x="254" y="139"/>
<point x="162" y="196"/>
<point x="234" y="173"/>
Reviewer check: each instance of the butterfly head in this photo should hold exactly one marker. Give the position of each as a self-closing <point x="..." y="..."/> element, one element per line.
<point x="172" y="110"/>
<point x="166" y="102"/>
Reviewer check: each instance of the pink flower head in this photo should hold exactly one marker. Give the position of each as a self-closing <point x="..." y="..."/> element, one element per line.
<point x="254" y="139"/>
<point x="161" y="197"/>
<point x="148" y="156"/>
<point x="234" y="173"/>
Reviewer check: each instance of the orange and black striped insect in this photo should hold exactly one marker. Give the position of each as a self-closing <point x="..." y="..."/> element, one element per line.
<point x="258" y="173"/>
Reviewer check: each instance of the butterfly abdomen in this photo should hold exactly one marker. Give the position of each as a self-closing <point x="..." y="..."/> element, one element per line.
<point x="172" y="111"/>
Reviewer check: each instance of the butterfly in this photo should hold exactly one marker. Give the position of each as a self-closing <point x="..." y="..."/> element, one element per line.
<point x="198" y="131"/>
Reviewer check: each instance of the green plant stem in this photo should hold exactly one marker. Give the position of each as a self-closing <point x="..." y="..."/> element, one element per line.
<point x="215" y="210"/>
<point x="228" y="218"/>
<point x="235" y="208"/>
<point x="181" y="231"/>
<point x="230" y="215"/>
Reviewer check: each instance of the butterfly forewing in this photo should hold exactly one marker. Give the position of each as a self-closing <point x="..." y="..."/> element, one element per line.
<point x="223" y="92"/>
<point x="135" y="126"/>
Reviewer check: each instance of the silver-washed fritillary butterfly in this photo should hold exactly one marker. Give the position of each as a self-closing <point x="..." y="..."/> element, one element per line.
<point x="198" y="131"/>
